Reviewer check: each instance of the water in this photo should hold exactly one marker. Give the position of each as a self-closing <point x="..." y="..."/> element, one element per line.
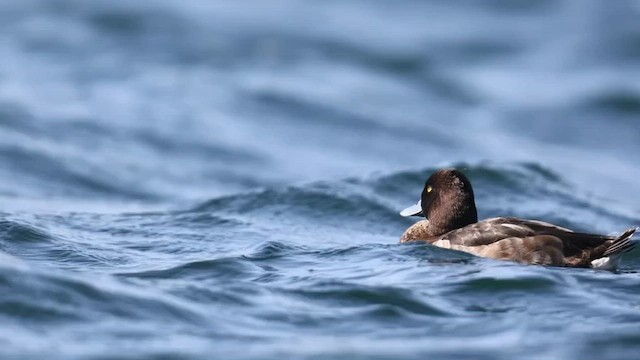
<point x="216" y="179"/>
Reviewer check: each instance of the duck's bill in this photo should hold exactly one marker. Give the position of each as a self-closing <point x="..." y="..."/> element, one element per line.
<point x="414" y="210"/>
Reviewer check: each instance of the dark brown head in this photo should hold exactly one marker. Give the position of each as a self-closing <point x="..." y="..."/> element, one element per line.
<point x="447" y="201"/>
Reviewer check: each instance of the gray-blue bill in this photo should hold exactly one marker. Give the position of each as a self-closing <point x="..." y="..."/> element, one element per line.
<point x="413" y="210"/>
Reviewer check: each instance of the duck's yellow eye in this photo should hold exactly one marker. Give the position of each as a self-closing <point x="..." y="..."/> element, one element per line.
<point x="429" y="189"/>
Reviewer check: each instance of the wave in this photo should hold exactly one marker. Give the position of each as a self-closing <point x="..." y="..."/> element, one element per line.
<point x="355" y="211"/>
<point x="38" y="297"/>
<point x="523" y="189"/>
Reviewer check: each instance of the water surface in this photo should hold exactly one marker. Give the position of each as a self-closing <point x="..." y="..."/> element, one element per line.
<point x="214" y="179"/>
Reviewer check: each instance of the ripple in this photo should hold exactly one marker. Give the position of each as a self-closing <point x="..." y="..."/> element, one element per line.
<point x="43" y="298"/>
<point x="225" y="268"/>
<point x="493" y="285"/>
<point x="15" y="232"/>
<point x="319" y="201"/>
<point x="353" y="295"/>
<point x="625" y="102"/>
<point x="271" y="250"/>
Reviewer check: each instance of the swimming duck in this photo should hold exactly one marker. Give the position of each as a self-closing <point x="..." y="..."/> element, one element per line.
<point x="452" y="222"/>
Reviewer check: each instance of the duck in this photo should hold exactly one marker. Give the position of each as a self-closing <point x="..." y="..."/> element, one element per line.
<point x="448" y="204"/>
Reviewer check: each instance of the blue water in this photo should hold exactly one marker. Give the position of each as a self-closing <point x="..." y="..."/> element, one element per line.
<point x="221" y="179"/>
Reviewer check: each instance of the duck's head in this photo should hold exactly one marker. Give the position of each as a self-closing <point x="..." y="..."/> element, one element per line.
<point x="447" y="201"/>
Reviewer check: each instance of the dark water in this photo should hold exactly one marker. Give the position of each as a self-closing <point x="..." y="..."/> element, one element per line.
<point x="221" y="179"/>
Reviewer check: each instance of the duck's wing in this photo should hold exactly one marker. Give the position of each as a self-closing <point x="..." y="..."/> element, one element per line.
<point x="492" y="230"/>
<point x="519" y="239"/>
<point x="550" y="250"/>
<point x="584" y="245"/>
<point x="538" y="249"/>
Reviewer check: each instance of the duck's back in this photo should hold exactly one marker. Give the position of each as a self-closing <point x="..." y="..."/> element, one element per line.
<point x="495" y="229"/>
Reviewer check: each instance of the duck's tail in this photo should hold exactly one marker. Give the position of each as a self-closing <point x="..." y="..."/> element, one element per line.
<point x="611" y="257"/>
